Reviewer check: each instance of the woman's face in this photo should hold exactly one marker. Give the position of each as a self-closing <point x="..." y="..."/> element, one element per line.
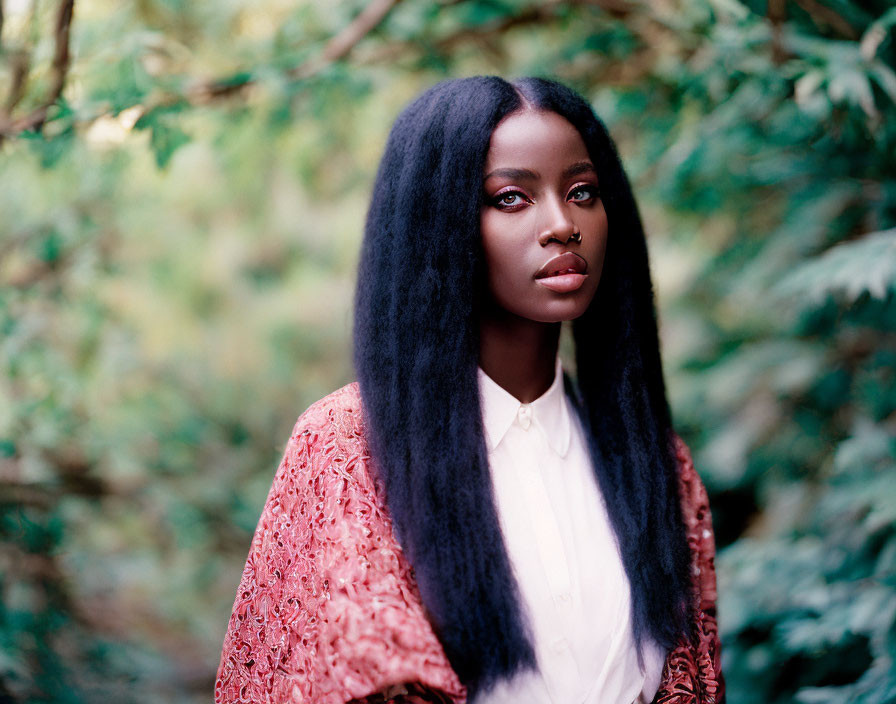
<point x="544" y="227"/>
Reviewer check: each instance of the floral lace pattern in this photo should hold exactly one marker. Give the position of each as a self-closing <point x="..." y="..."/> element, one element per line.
<point x="692" y="673"/>
<point x="328" y="611"/>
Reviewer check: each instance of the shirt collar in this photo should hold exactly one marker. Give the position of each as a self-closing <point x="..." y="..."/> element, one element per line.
<point x="549" y="411"/>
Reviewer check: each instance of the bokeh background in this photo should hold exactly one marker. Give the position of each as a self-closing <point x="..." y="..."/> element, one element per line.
<point x="182" y="192"/>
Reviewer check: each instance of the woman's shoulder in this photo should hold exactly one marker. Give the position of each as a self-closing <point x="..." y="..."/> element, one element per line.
<point x="328" y="443"/>
<point x="333" y="425"/>
<point x="327" y="609"/>
<point x="342" y="405"/>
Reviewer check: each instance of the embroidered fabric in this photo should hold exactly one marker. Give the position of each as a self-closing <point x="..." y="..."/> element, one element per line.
<point x="328" y="611"/>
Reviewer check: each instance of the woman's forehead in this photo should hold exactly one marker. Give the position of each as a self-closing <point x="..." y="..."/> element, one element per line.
<point x="537" y="142"/>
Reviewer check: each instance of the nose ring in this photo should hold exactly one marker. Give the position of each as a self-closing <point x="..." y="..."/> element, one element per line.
<point x="576" y="237"/>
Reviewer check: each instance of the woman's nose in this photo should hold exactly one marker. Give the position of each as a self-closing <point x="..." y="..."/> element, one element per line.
<point x="558" y="225"/>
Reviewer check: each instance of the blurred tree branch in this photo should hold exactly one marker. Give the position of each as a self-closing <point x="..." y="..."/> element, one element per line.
<point x="72" y="478"/>
<point x="20" y="66"/>
<point x="824" y="15"/>
<point x="21" y="61"/>
<point x="58" y="72"/>
<point x="342" y="44"/>
<point x="777" y="15"/>
<point x="337" y="48"/>
<point x="530" y="16"/>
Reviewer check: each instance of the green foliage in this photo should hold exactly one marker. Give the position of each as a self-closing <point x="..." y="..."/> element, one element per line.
<point x="166" y="135"/>
<point x="177" y="246"/>
<point x="849" y="269"/>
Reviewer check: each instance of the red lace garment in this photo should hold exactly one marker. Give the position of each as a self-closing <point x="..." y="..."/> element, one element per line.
<point x="328" y="611"/>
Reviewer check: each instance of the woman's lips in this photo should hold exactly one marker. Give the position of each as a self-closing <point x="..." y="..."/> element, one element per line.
<point x="563" y="283"/>
<point x="563" y="273"/>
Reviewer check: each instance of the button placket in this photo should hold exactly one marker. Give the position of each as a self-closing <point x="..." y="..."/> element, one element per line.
<point x="543" y="520"/>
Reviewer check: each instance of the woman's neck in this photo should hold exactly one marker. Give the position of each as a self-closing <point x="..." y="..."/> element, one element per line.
<point x="519" y="355"/>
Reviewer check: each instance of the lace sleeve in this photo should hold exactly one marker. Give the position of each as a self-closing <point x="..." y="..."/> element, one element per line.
<point x="326" y="610"/>
<point x="692" y="673"/>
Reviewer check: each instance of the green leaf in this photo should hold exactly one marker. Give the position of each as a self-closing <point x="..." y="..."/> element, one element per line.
<point x="849" y="270"/>
<point x="166" y="136"/>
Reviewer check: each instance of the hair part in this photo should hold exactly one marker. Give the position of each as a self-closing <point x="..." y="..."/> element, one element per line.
<point x="420" y="282"/>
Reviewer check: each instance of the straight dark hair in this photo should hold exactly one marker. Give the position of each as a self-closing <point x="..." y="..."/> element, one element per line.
<point x="420" y="288"/>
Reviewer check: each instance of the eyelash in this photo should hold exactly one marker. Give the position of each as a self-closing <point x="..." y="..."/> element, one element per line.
<point x="496" y="200"/>
<point x="593" y="191"/>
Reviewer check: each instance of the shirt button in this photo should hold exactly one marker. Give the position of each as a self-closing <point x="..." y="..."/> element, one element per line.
<point x="564" y="597"/>
<point x="525" y="416"/>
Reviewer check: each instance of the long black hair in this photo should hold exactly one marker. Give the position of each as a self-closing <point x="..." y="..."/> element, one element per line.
<point x="416" y="354"/>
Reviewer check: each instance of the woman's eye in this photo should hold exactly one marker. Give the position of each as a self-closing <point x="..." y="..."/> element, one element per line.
<point x="509" y="199"/>
<point x="583" y="193"/>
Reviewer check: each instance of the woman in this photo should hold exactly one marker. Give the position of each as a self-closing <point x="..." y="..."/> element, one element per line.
<point x="465" y="523"/>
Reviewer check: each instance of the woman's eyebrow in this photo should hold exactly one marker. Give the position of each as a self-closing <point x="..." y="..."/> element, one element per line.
<point x="580" y="167"/>
<point x="512" y="174"/>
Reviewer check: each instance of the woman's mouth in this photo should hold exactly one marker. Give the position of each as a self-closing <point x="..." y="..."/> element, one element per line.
<point x="564" y="273"/>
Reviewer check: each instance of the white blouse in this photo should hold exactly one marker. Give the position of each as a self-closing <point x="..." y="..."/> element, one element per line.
<point x="564" y="555"/>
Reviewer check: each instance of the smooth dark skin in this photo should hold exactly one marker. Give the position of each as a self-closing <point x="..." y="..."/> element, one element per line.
<point x="540" y="188"/>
